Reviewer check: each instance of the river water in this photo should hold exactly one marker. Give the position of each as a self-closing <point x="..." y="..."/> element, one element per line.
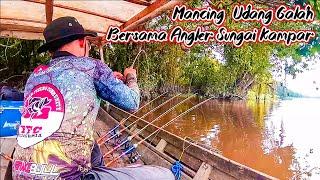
<point x="280" y="138"/>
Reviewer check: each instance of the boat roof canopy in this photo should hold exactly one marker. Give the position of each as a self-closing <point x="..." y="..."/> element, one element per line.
<point x="26" y="19"/>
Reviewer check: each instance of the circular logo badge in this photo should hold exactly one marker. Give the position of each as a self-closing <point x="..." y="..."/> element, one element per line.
<point x="42" y="115"/>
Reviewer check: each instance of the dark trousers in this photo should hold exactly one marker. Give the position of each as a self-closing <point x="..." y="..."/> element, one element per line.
<point x="144" y="172"/>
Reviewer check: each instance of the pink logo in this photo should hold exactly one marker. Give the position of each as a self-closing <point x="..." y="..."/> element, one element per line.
<point x="37" y="107"/>
<point x="22" y="166"/>
<point x="30" y="130"/>
<point x="32" y="168"/>
<point x="40" y="68"/>
<point x="43" y="99"/>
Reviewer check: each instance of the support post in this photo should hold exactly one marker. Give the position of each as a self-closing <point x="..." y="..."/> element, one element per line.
<point x="203" y="172"/>
<point x="161" y="145"/>
<point x="101" y="53"/>
<point x="49" y="11"/>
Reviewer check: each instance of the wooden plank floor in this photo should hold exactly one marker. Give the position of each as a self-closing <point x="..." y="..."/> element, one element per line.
<point x="6" y="146"/>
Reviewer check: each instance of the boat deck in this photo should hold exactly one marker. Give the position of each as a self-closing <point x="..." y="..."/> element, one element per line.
<point x="6" y="146"/>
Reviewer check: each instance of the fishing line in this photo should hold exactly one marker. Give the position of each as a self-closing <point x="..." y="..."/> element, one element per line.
<point x="183" y="146"/>
<point x="6" y="157"/>
<point x="138" y="118"/>
<point x="135" y="59"/>
<point x="123" y="121"/>
<point x="129" y="138"/>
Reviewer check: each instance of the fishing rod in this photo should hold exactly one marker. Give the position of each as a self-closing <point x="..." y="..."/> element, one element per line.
<point x="135" y="59"/>
<point x="132" y="115"/>
<point x="129" y="138"/>
<point x="100" y="141"/>
<point x="134" y="146"/>
<point x="123" y="121"/>
<point x="138" y="118"/>
<point x="6" y="157"/>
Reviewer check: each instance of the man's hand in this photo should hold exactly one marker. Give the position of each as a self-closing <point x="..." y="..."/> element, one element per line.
<point x="118" y="76"/>
<point x="130" y="71"/>
<point x="130" y="76"/>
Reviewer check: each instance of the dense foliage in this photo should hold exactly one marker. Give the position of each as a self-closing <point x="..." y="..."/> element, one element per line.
<point x="17" y="59"/>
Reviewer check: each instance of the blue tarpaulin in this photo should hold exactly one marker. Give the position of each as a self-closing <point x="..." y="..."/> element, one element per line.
<point x="10" y="116"/>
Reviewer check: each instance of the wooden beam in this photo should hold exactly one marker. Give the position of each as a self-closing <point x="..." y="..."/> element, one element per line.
<point x="204" y="172"/>
<point x="140" y="2"/>
<point x="14" y="27"/>
<point x="149" y="12"/>
<point x="161" y="145"/>
<point x="49" y="11"/>
<point x="24" y="20"/>
<point x="21" y="35"/>
<point x="81" y="10"/>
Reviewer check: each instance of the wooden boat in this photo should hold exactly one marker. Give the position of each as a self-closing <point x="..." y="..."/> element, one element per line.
<point x="164" y="149"/>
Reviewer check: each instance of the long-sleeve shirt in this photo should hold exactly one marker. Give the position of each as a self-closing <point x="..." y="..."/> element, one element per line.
<point x="61" y="103"/>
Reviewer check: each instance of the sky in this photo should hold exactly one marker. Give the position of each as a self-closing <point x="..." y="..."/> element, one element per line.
<point x="306" y="83"/>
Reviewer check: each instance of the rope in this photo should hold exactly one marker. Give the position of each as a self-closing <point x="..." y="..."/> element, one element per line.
<point x="177" y="167"/>
<point x="177" y="170"/>
<point x="183" y="146"/>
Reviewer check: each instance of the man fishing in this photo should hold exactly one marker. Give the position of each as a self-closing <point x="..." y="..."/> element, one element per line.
<point x="61" y="102"/>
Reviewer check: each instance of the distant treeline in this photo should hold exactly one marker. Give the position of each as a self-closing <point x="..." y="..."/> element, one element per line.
<point x="283" y="92"/>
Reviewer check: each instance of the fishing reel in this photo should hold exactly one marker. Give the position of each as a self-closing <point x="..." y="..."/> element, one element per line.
<point x="115" y="134"/>
<point x="128" y="146"/>
<point x="134" y="157"/>
<point x="131" y="151"/>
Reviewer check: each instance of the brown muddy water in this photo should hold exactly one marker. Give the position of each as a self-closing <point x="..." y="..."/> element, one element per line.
<point x="280" y="139"/>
